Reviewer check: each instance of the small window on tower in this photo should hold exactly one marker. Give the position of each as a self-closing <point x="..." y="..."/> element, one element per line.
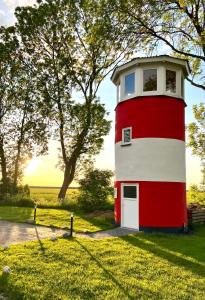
<point x="126" y="136"/>
<point x="130" y="191"/>
<point x="149" y="80"/>
<point x="170" y="81"/>
<point x="129" y="84"/>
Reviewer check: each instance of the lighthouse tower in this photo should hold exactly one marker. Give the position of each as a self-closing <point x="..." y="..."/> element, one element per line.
<point x="150" y="186"/>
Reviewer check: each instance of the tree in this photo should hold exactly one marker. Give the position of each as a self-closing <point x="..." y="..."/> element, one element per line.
<point x="95" y="188"/>
<point x="8" y="45"/>
<point x="23" y="129"/>
<point x="180" y="25"/>
<point x="72" y="50"/>
<point x="196" y="135"/>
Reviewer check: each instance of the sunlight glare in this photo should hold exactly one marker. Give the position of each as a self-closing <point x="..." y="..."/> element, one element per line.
<point x="32" y="166"/>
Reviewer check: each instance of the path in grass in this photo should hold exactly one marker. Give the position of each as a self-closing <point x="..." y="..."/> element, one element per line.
<point x="133" y="267"/>
<point x="58" y="218"/>
<point x="14" y="233"/>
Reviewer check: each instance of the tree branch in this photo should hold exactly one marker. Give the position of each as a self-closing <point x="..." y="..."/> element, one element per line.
<point x="196" y="84"/>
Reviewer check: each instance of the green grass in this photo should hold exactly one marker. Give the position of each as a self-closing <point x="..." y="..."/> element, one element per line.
<point x="133" y="267"/>
<point x="43" y="197"/>
<point x="49" y="197"/>
<point x="45" y="190"/>
<point x="57" y="218"/>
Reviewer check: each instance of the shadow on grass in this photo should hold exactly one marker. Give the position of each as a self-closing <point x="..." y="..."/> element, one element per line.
<point x="43" y="249"/>
<point x="124" y="290"/>
<point x="184" y="251"/>
<point x="101" y="221"/>
<point x="16" y="214"/>
<point x="7" y="290"/>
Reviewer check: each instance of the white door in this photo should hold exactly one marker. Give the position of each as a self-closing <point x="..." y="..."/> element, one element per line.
<point x="130" y="205"/>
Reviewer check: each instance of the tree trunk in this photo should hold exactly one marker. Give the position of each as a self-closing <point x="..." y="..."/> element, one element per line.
<point x="70" y="164"/>
<point x="68" y="177"/>
<point x="19" y="143"/>
<point x="66" y="182"/>
<point x="16" y="169"/>
<point x="3" y="163"/>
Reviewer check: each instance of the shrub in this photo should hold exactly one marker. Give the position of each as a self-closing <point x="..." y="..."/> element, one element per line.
<point x="195" y="195"/>
<point x="95" y="189"/>
<point x="11" y="194"/>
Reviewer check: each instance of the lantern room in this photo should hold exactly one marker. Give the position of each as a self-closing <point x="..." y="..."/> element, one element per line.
<point x="150" y="181"/>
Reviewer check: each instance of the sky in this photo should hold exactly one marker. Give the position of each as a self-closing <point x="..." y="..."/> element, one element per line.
<point x="42" y="171"/>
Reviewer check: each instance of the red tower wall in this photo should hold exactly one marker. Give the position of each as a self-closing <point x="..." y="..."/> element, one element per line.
<point x="162" y="204"/>
<point x="156" y="116"/>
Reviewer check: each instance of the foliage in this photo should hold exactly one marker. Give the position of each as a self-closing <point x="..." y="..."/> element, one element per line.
<point x="59" y="218"/>
<point x="72" y="49"/>
<point x="196" y="136"/>
<point x="197" y="131"/>
<point x="43" y="197"/>
<point x="11" y="194"/>
<point x="47" y="198"/>
<point x="139" y="266"/>
<point x="12" y="189"/>
<point x="95" y="188"/>
<point x="22" y="127"/>
<point x="178" y="25"/>
<point x="8" y="45"/>
<point x="195" y="195"/>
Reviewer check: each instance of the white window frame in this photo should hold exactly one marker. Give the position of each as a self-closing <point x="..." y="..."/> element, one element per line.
<point x="123" y="96"/>
<point x="123" y="130"/>
<point x="118" y="92"/>
<point x="130" y="184"/>
<point x="158" y="84"/>
<point x="177" y="83"/>
<point x="161" y="82"/>
<point x="182" y="85"/>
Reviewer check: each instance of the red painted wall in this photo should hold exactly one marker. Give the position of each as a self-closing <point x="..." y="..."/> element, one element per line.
<point x="153" y="116"/>
<point x="161" y="204"/>
<point x="117" y="208"/>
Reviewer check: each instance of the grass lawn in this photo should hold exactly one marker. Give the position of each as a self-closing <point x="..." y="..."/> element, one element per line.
<point x="138" y="266"/>
<point x="49" y="196"/>
<point x="57" y="218"/>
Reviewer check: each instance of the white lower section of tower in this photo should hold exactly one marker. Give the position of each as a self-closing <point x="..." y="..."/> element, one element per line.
<point x="151" y="159"/>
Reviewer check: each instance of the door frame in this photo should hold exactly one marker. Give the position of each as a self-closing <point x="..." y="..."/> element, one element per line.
<point x="137" y="201"/>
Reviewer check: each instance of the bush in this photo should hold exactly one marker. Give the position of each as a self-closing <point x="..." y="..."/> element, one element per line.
<point x="11" y="194"/>
<point x="95" y="189"/>
<point x="195" y="195"/>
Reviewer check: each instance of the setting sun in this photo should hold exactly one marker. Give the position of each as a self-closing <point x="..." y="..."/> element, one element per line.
<point x="32" y="166"/>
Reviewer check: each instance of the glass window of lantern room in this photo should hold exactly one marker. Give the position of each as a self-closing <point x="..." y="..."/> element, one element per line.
<point x="126" y="136"/>
<point x="149" y="80"/>
<point x="170" y="81"/>
<point x="129" y="87"/>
